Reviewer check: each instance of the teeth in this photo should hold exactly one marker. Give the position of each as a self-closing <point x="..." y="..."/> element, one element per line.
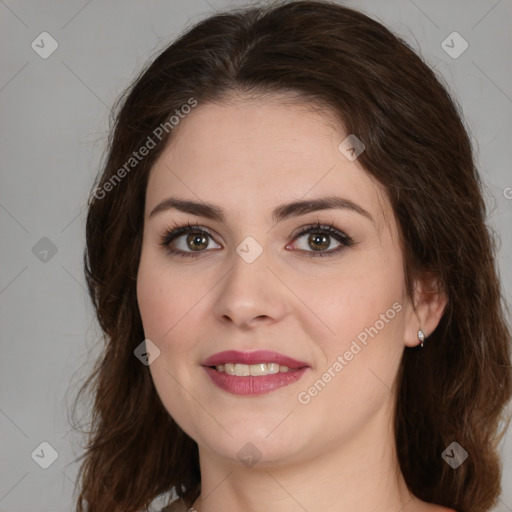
<point x="244" y="370"/>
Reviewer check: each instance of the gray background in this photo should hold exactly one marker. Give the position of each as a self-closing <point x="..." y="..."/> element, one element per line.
<point x="54" y="122"/>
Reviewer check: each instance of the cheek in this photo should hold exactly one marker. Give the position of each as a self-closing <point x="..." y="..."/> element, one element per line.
<point x="169" y="303"/>
<point x="154" y="303"/>
<point x="164" y="304"/>
<point x="366" y="286"/>
<point x="163" y="298"/>
<point x="364" y="307"/>
<point x="363" y="310"/>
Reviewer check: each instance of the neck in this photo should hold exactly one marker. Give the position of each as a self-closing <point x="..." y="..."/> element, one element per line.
<point x="360" y="473"/>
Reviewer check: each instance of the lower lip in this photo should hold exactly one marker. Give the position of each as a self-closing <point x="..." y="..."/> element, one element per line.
<point x="251" y="385"/>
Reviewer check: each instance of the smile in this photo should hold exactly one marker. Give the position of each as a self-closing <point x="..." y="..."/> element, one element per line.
<point x="244" y="370"/>
<point x="253" y="373"/>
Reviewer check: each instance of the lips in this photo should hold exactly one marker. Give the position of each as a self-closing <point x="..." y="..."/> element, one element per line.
<point x="216" y="367"/>
<point x="255" y="357"/>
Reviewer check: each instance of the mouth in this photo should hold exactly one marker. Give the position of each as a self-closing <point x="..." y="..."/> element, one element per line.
<point x="266" y="361"/>
<point x="253" y="373"/>
<point x="254" y="370"/>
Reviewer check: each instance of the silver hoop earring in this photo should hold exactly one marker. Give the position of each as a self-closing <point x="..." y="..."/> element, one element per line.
<point x="421" y="337"/>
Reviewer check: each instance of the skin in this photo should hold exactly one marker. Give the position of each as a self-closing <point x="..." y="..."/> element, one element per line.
<point x="248" y="156"/>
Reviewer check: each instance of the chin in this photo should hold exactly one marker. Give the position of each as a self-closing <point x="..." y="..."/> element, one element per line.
<point x="254" y="448"/>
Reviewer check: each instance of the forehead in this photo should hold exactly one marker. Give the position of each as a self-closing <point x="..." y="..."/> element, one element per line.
<point x="256" y="153"/>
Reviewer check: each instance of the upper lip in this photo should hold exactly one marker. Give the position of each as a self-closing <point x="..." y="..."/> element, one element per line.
<point x="255" y="357"/>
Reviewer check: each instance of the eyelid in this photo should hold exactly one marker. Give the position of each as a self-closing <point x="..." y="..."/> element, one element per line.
<point x="342" y="238"/>
<point x="179" y="229"/>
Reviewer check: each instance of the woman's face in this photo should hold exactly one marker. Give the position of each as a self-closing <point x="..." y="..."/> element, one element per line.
<point x="334" y="301"/>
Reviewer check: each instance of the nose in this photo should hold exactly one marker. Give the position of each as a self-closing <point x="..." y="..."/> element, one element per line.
<point x="251" y="294"/>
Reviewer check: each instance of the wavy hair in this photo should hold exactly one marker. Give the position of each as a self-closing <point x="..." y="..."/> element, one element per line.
<point x="454" y="389"/>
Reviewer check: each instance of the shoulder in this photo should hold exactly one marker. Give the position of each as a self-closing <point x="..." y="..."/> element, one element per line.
<point x="179" y="506"/>
<point x="423" y="506"/>
<point x="175" y="506"/>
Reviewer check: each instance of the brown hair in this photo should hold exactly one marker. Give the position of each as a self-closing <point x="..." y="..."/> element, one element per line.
<point x="454" y="389"/>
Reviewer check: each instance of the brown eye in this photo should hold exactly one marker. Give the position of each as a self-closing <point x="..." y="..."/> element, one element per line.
<point x="320" y="239"/>
<point x="189" y="240"/>
<point x="197" y="241"/>
<point x="318" y="242"/>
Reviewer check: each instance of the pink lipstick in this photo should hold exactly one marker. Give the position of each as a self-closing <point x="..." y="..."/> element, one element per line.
<point x="253" y="373"/>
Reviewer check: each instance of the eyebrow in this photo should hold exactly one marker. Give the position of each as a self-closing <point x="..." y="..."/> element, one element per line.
<point x="280" y="213"/>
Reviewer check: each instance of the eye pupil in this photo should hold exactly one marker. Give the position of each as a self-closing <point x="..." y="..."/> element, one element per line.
<point x="199" y="239"/>
<point x="196" y="240"/>
<point x="317" y="238"/>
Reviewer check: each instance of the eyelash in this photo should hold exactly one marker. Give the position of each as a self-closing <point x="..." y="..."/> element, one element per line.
<point x="176" y="230"/>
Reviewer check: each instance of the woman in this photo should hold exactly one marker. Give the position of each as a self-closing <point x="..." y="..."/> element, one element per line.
<point x="288" y="255"/>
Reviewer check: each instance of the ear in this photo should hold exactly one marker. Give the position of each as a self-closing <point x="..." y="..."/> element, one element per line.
<point x="425" y="312"/>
